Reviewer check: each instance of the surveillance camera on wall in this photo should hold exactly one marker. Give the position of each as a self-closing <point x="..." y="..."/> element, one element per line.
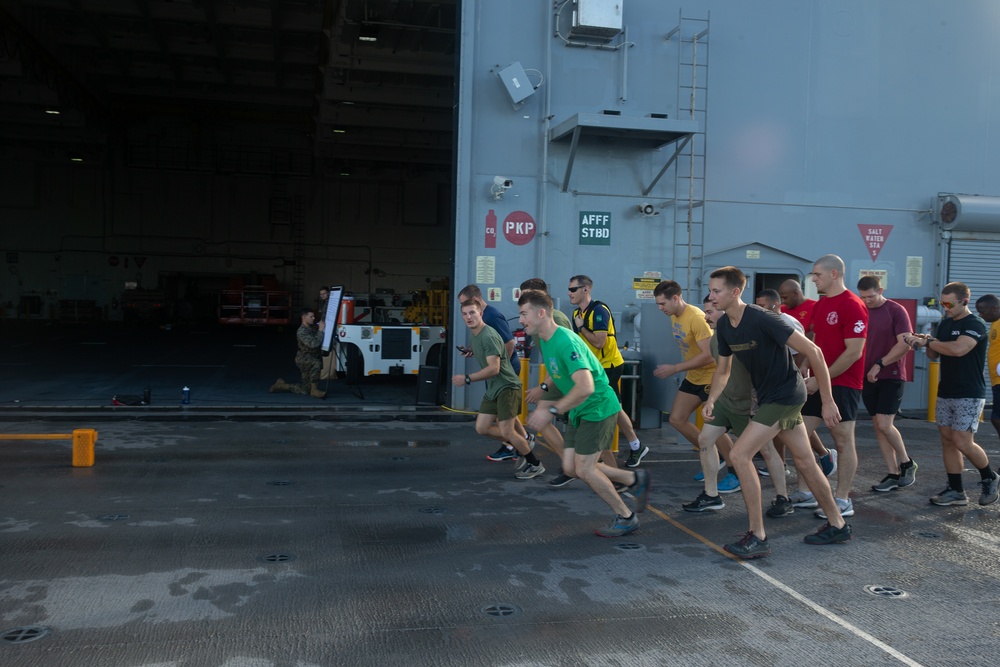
<point x="647" y="209"/>
<point x="500" y="185"/>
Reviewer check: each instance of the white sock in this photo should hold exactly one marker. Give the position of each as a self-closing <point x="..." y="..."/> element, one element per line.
<point x="634" y="445"/>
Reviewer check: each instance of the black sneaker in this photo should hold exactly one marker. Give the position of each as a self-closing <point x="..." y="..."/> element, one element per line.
<point x="780" y="506"/>
<point x="635" y="457"/>
<point x="560" y="480"/>
<point x="829" y="535"/>
<point x="640" y="489"/>
<point x="704" y="503"/>
<point x="749" y="547"/>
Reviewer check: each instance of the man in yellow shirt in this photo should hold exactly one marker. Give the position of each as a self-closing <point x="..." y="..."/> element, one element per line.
<point x="988" y="306"/>
<point x="693" y="336"/>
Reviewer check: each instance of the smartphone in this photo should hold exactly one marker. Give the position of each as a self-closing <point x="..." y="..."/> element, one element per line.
<point x="462" y="349"/>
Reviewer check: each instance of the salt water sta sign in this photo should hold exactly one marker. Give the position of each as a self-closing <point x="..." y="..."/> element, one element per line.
<point x="595" y="228"/>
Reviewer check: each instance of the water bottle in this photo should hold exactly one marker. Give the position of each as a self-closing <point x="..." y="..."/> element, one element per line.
<point x="186" y="395"/>
<point x="146" y="396"/>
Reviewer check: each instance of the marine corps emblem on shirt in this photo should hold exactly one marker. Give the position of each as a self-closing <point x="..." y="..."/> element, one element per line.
<point x="832" y="318"/>
<point x="859" y="326"/>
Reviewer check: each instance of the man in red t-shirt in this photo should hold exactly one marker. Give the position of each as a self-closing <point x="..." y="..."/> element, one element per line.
<point x="795" y="303"/>
<point x="840" y="325"/>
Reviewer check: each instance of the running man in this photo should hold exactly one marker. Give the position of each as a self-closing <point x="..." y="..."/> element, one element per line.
<point x="960" y="344"/>
<point x="757" y="339"/>
<point x="840" y="326"/>
<point x="593" y="322"/>
<point x="502" y="402"/>
<point x="592" y="407"/>
<point x="885" y="378"/>
<point x="693" y="337"/>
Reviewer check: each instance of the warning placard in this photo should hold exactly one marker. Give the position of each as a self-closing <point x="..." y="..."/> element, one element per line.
<point x="875" y="237"/>
<point x="645" y="283"/>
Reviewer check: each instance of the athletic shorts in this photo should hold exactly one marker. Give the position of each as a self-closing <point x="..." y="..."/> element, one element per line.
<point x="591" y="437"/>
<point x="730" y="420"/>
<point x="995" y="415"/>
<point x="883" y="397"/>
<point x="507" y="404"/>
<point x="959" y="414"/>
<point x="786" y="417"/>
<point x="699" y="390"/>
<point x="846" y="398"/>
<point x="614" y="375"/>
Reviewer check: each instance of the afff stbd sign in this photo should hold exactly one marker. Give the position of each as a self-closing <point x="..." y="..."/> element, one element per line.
<point x="595" y="228"/>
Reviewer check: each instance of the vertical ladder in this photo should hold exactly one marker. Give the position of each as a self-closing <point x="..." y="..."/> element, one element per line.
<point x="691" y="35"/>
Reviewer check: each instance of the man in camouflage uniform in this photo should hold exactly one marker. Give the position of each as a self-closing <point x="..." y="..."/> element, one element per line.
<point x="308" y="358"/>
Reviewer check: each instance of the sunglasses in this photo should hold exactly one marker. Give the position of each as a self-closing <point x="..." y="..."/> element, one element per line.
<point x="948" y="304"/>
<point x="574" y="289"/>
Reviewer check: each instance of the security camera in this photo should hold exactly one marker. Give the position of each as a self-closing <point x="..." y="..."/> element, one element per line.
<point x="500" y="186"/>
<point x="647" y="209"/>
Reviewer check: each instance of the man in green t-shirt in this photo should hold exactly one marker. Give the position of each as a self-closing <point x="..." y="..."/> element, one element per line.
<point x="592" y="407"/>
<point x="502" y="403"/>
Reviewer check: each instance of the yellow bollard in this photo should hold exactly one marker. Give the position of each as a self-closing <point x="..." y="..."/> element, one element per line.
<point x="933" y="377"/>
<point x="83" y="447"/>
<point x="525" y="370"/>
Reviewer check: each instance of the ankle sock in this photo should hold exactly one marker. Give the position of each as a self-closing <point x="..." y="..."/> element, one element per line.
<point x="634" y="445"/>
<point x="531" y="458"/>
<point x="986" y="473"/>
<point x="955" y="482"/>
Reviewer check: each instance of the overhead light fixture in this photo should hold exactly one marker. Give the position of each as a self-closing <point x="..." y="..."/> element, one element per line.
<point x="345" y="171"/>
<point x="368" y="33"/>
<point x="75" y="157"/>
<point x="53" y="112"/>
<point x="338" y="130"/>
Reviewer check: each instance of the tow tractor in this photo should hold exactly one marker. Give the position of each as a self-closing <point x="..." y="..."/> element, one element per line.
<point x="398" y="349"/>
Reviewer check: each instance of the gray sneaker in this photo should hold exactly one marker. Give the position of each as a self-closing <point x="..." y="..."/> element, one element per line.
<point x="888" y="483"/>
<point x="530" y="471"/>
<point x="991" y="490"/>
<point x="803" y="499"/>
<point x="620" y="527"/>
<point x="950" y="497"/>
<point x="845" y="505"/>
<point x="908" y="474"/>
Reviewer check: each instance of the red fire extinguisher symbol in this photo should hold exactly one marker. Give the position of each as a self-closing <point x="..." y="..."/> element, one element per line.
<point x="491" y="229"/>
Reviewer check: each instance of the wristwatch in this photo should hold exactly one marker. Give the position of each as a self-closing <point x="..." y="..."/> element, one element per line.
<point x="544" y="386"/>
<point x="880" y="363"/>
<point x="553" y="410"/>
<point x="468" y="380"/>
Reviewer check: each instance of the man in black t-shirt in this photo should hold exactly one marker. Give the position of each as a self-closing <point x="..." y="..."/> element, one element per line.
<point x="960" y="344"/>
<point x="758" y="338"/>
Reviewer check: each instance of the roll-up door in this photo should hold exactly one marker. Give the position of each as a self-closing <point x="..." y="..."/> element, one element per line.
<point x="977" y="264"/>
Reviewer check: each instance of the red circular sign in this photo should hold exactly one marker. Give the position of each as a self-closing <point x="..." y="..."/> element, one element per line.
<point x="519" y="228"/>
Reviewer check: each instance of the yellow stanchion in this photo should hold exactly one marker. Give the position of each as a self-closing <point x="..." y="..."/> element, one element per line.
<point x="83" y="439"/>
<point x="525" y="371"/>
<point x="933" y="377"/>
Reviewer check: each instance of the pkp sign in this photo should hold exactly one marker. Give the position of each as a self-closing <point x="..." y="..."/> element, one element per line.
<point x="519" y="228"/>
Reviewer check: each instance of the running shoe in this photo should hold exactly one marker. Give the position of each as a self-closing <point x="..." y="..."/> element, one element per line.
<point x="530" y="471"/>
<point x="640" y="489"/>
<point x="950" y="497"/>
<point x="829" y="462"/>
<point x="619" y="527"/>
<point x="991" y="490"/>
<point x="780" y="506"/>
<point x="749" y="547"/>
<point x="729" y="484"/>
<point x="635" y="457"/>
<point x="505" y="453"/>
<point x="846" y="507"/>
<point x="908" y="473"/>
<point x="829" y="535"/>
<point x="803" y="499"/>
<point x="888" y="483"/>
<point x="704" y="503"/>
<point x="560" y="480"/>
